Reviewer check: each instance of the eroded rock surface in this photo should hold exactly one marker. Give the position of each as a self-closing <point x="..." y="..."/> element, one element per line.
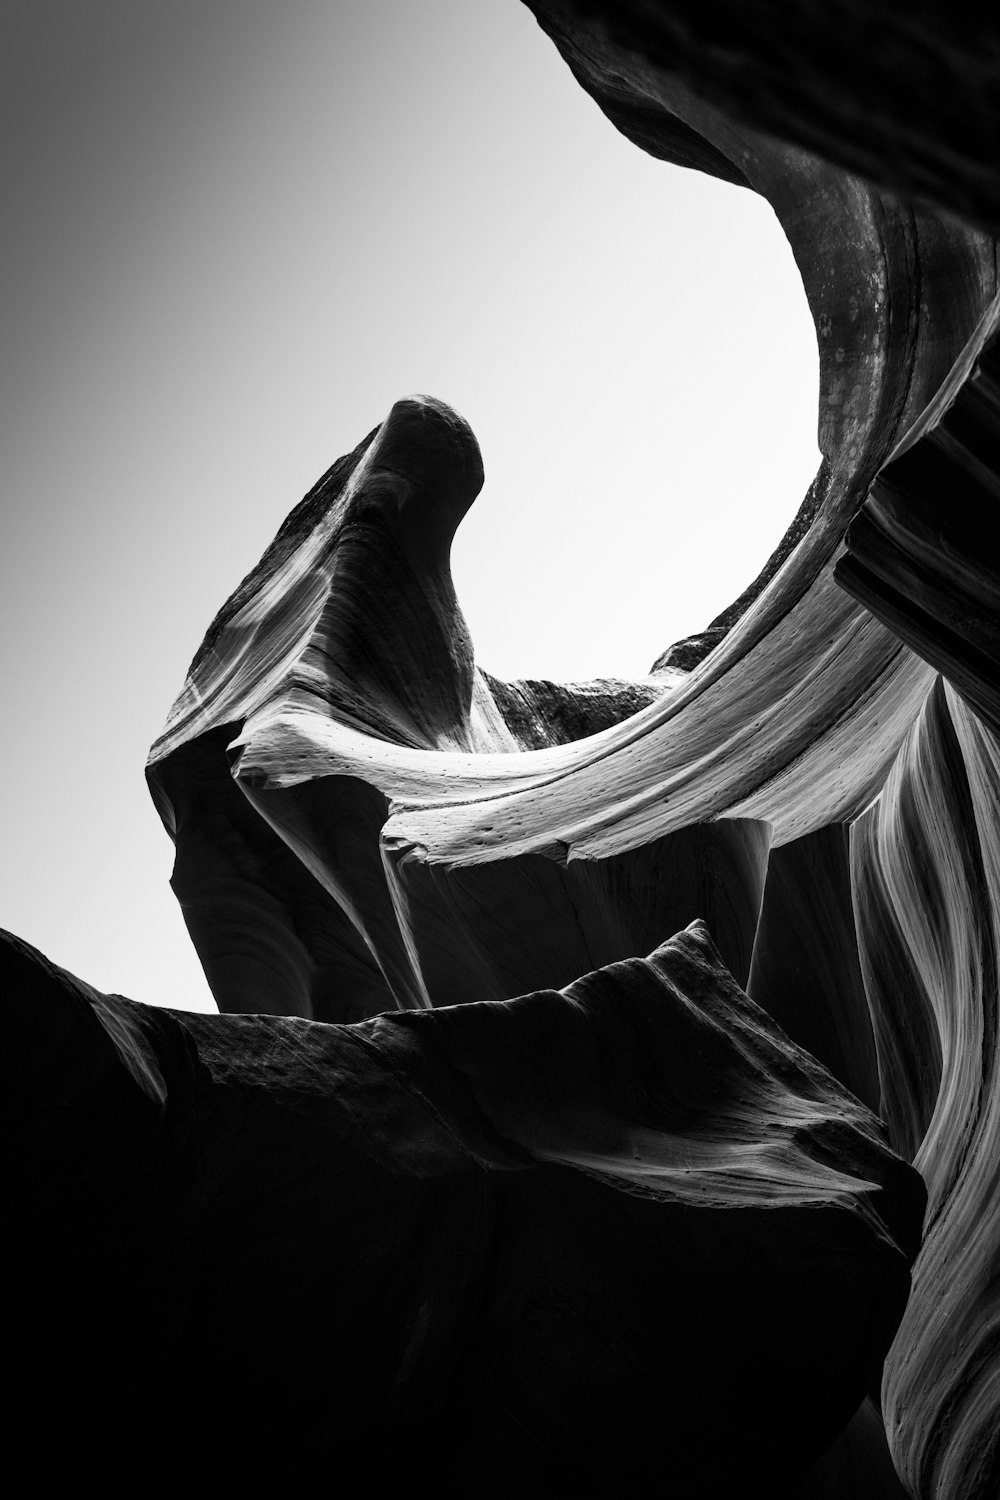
<point x="493" y="1161"/>
<point x="390" y="1252"/>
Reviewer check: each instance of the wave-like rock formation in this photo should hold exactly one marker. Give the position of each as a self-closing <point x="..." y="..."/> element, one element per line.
<point x="588" y="1050"/>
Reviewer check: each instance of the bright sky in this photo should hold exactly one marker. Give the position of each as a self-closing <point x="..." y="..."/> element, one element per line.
<point x="235" y="233"/>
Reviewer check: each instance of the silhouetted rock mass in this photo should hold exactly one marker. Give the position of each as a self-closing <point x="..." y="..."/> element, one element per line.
<point x="507" y="1242"/>
<point x="604" y="1099"/>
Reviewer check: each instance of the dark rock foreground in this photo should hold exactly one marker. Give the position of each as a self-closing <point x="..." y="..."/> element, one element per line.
<point x="605" y="1096"/>
<point x="528" y="1242"/>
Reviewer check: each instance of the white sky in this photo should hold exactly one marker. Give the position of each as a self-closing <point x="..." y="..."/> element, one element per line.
<point x="235" y="233"/>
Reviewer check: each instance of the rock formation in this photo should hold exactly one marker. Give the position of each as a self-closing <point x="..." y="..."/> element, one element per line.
<point x="534" y="1242"/>
<point x="589" y="1053"/>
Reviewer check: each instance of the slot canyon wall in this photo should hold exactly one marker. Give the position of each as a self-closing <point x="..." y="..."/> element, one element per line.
<point x="604" y="1092"/>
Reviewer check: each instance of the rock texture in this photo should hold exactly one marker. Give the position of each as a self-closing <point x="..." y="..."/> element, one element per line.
<point x="343" y="1258"/>
<point x="906" y="96"/>
<point x="587" y="1049"/>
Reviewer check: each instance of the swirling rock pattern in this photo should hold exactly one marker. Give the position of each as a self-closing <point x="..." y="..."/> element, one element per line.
<point x="927" y="882"/>
<point x="559" y="1020"/>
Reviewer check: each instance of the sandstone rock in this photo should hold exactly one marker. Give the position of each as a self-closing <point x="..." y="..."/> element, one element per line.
<point x="904" y="96"/>
<point x="562" y="1188"/>
<point x="927" y="889"/>
<point x="309" y="1256"/>
<point x="485" y="839"/>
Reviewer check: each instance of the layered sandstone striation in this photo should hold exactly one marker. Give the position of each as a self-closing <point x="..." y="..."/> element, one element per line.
<point x="596" y="1059"/>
